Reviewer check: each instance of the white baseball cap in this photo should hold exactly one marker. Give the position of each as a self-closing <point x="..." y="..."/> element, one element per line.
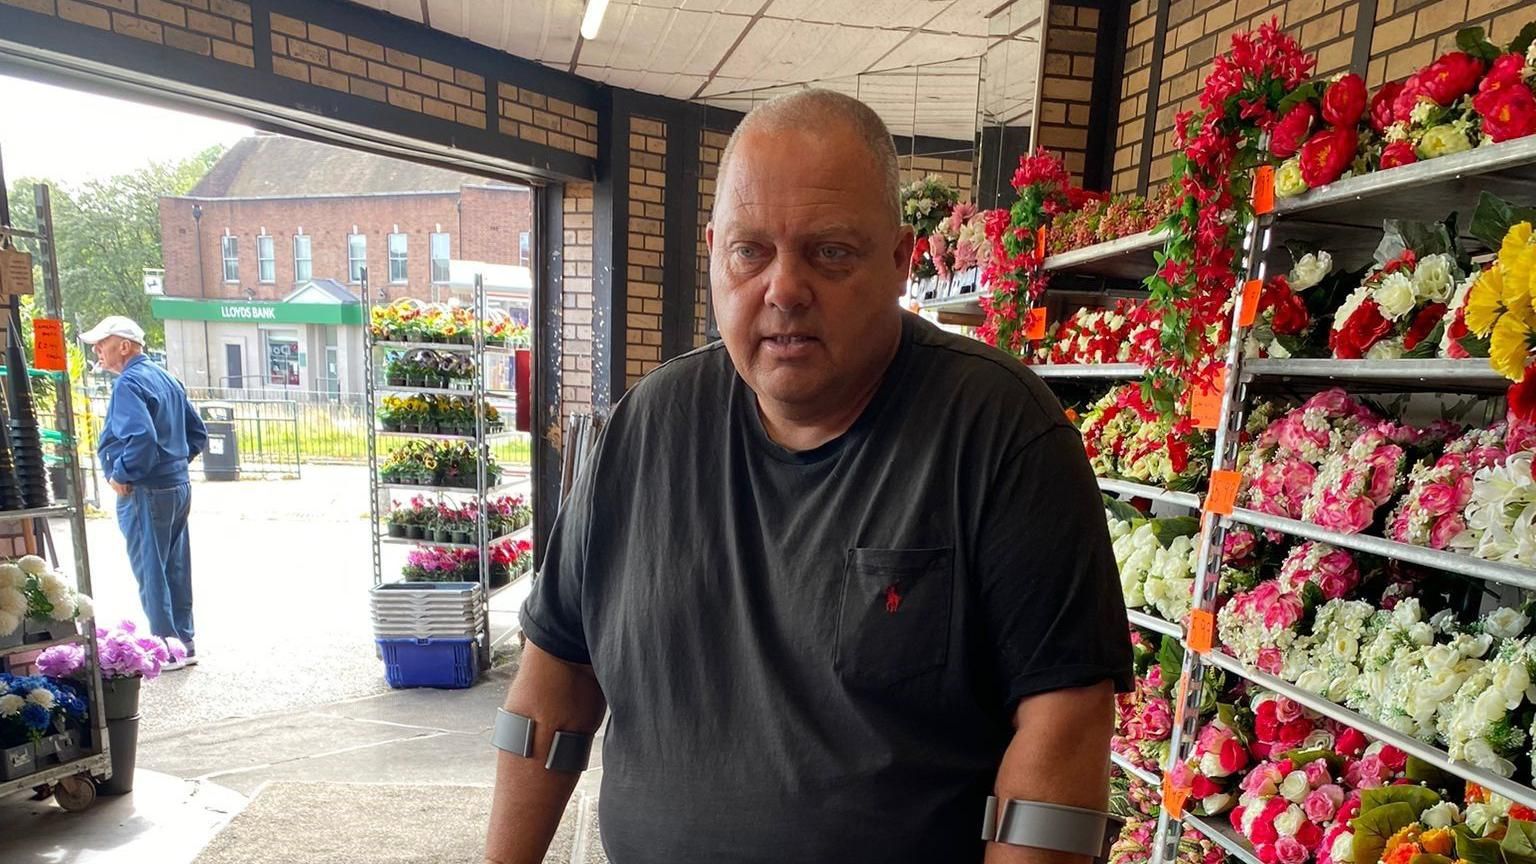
<point x="114" y="325"/>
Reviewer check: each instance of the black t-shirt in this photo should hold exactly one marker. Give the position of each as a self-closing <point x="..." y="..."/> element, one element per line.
<point x="815" y="656"/>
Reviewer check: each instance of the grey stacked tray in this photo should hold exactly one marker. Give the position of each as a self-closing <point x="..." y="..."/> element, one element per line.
<point x="428" y="610"/>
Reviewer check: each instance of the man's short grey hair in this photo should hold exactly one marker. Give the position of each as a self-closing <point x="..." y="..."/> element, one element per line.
<point x="817" y="109"/>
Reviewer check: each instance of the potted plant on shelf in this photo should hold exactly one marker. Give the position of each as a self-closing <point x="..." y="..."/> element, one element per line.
<point x="465" y="519"/>
<point x="40" y="723"/>
<point x="441" y="524"/>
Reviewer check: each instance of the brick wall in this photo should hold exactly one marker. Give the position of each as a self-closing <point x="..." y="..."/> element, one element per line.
<point x="1129" y="124"/>
<point x="220" y="29"/>
<point x="328" y="58"/>
<point x="1066" y="88"/>
<point x="711" y="147"/>
<point x="646" y="242"/>
<point x="486" y="228"/>
<point x="953" y="170"/>
<point x="576" y="291"/>
<point x="1411" y="33"/>
<point x="531" y="116"/>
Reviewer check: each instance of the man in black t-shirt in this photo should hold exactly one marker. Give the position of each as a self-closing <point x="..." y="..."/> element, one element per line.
<point x="836" y="579"/>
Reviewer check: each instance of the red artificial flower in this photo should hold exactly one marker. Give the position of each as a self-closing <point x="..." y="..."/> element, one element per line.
<point x="1292" y="129"/>
<point x="1364" y="328"/>
<point x="1327" y="154"/>
<point x="1204" y="787"/>
<point x="1381" y="106"/>
<point x="918" y="250"/>
<point x="1451" y="77"/>
<point x="1351" y="743"/>
<point x="1344" y="100"/>
<point x="1407" y="97"/>
<point x="1507" y="69"/>
<point x="1522" y="397"/>
<point x="1397" y="154"/>
<point x="1508" y="111"/>
<point x="1423" y="325"/>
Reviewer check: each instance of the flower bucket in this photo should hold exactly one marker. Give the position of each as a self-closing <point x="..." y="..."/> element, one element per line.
<point x="120" y="697"/>
<point x="17" y="762"/>
<point x="123" y="736"/>
<point x="41" y="630"/>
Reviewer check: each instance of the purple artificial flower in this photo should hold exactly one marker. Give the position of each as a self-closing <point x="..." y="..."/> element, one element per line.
<point x="61" y="661"/>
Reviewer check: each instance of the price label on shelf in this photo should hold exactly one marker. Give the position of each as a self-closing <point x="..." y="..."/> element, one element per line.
<point x="15" y="272"/>
<point x="48" y="345"/>
<point x="1040" y="243"/>
<point x="1034" y="324"/>
<point x="1205" y="403"/>
<point x="1222" y="497"/>
<point x="1264" y="190"/>
<point x="1174" y="798"/>
<point x="1249" y="311"/>
<point x="1202" y="630"/>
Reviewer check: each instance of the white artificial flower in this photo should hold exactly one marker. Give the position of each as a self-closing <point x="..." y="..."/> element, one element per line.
<point x="1407" y="613"/>
<point x="1421" y="111"/>
<point x="1342" y="316"/>
<point x="1343" y="849"/>
<point x="1310" y="270"/>
<point x="1481" y="817"/>
<point x="85" y="607"/>
<point x="1442" y="815"/>
<point x="32" y="565"/>
<point x="1434" y="278"/>
<point x="11" y="576"/>
<point x="1319" y="739"/>
<point x="1295" y="788"/>
<point x="1313" y="681"/>
<point x="41" y="698"/>
<point x="63" y="609"/>
<point x="53" y="583"/>
<point x="12" y="602"/>
<point x="1290" y="822"/>
<point x="1505" y="623"/>
<point x="1421" y="634"/>
<point x="8" y="623"/>
<point x="11" y="705"/>
<point x="1386" y="349"/>
<point x="1395" y="295"/>
<point x="1480" y="753"/>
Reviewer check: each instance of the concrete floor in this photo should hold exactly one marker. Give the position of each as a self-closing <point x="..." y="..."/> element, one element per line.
<point x="289" y="686"/>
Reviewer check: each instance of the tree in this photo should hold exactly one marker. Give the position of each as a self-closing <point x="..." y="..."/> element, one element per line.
<point x="108" y="232"/>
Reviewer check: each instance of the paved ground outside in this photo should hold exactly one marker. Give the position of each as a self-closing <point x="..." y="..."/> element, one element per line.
<point x="289" y="687"/>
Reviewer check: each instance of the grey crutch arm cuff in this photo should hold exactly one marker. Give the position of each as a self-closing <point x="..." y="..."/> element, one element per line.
<point x="1054" y="827"/>
<point x="569" y="753"/>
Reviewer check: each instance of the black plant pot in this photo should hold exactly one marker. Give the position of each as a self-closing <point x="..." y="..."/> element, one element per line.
<point x="442" y="535"/>
<point x="396" y="529"/>
<point x="413" y="532"/>
<point x="461" y="537"/>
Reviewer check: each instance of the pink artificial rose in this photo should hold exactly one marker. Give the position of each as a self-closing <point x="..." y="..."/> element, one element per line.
<point x="1351" y="743"/>
<point x="1263" y="781"/>
<point x="1240" y="543"/>
<point x="1446" y="529"/>
<point x="1288" y="850"/>
<point x="1521" y="434"/>
<point x="1155" y="677"/>
<point x="1270" y="482"/>
<point x="1265" y="595"/>
<point x="1335" y="402"/>
<point x="1182" y="776"/>
<point x="1338" y="561"/>
<point x="1288" y="710"/>
<point x="1367" y="772"/>
<point x="1271" y="660"/>
<point x="1437" y="499"/>
<point x="1158" y="719"/>
<point x="1323" y="803"/>
<point x="1335" y="586"/>
<point x="1233" y="756"/>
<point x="1318" y="776"/>
<point x="1384" y="473"/>
<point x="1464" y="484"/>
<point x="1284" y="612"/>
<point x="1299" y="478"/>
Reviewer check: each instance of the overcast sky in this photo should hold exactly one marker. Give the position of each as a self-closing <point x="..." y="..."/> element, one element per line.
<point x="71" y="136"/>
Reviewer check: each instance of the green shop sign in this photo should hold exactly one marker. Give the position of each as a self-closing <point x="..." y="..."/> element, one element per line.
<point x="255" y="312"/>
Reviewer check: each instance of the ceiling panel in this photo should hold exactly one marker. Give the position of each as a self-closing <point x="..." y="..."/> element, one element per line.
<point x="901" y="14"/>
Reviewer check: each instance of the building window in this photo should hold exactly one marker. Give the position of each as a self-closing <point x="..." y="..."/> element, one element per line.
<point x="357" y="257"/>
<point x="231" y="248"/>
<point x="439" y="244"/>
<point x="303" y="262"/>
<point x="522" y="249"/>
<point x="266" y="259"/>
<point x="397" y="262"/>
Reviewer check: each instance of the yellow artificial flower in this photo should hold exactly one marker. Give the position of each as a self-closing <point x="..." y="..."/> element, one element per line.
<point x="1288" y="180"/>
<point x="1517" y="257"/>
<point x="1511" y="346"/>
<point x="1485" y="302"/>
<point x="1443" y="140"/>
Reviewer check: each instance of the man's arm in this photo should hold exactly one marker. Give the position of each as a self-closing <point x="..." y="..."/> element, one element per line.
<point x="530" y="800"/>
<point x="1059" y="755"/>
<point x="197" y="431"/>
<point x="129" y="421"/>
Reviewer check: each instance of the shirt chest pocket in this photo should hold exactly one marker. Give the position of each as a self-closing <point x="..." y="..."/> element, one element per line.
<point x="894" y="619"/>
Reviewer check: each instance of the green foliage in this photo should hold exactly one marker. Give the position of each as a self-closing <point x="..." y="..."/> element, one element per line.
<point x="108" y="232"/>
<point x="1494" y="217"/>
<point x="1374" y="826"/>
<point x="1474" y="41"/>
<point x="1519" y="846"/>
<point x="1474" y="850"/>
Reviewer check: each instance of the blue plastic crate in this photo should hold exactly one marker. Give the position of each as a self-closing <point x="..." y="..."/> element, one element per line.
<point x="446" y="663"/>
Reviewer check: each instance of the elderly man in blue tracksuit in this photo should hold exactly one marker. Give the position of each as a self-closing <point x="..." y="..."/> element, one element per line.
<point x="151" y="433"/>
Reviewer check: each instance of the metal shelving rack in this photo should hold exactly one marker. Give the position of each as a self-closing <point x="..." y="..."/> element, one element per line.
<point x="381" y="493"/>
<point x="73" y="781"/>
<point x="1344" y="213"/>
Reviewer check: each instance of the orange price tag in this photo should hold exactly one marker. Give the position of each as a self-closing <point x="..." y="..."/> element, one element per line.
<point x="1205" y="403"/>
<point x="1040" y="242"/>
<point x="1249" y="311"/>
<point x="1202" y="629"/>
<point x="1034" y="324"/>
<point x="1174" y="798"/>
<point x="1222" y="497"/>
<point x="1264" y="190"/>
<point x="48" y="345"/>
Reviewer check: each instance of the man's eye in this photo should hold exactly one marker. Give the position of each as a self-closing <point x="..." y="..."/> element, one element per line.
<point x="832" y="253"/>
<point x="746" y="252"/>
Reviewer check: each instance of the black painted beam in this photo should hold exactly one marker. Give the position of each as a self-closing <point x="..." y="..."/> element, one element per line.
<point x="548" y="324"/>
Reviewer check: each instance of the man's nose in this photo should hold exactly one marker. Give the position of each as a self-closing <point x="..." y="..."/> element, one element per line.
<point x="789" y="284"/>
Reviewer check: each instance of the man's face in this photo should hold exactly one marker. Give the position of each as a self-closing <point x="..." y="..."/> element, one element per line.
<point x="112" y="352"/>
<point x="807" y="263"/>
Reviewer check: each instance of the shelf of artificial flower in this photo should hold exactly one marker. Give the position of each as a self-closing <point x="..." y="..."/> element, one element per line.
<point x="1225" y="836"/>
<point x="1103" y="371"/>
<point x="1131" y="768"/>
<point x="1431" y="755"/>
<point x="34" y="513"/>
<point x="1150" y="493"/>
<point x="1129" y="257"/>
<point x="1473" y="374"/>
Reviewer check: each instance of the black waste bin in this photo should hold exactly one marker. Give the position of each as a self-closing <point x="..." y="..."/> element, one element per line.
<point x="221" y="458"/>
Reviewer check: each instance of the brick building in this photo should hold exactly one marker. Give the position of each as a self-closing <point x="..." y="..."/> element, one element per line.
<point x="264" y="258"/>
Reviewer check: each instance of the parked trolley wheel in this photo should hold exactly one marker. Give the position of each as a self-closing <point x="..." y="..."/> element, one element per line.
<point x="75" y="794"/>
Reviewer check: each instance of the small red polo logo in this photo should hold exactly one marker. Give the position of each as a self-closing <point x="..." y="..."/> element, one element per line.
<point x="893" y="597"/>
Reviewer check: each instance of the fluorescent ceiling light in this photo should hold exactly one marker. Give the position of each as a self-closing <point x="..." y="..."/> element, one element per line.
<point x="591" y="21"/>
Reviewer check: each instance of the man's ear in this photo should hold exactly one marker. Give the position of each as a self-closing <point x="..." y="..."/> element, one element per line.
<point x="906" y="241"/>
<point x="709" y="237"/>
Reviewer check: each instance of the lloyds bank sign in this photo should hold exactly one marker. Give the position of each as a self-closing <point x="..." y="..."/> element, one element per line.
<point x="255" y="311"/>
